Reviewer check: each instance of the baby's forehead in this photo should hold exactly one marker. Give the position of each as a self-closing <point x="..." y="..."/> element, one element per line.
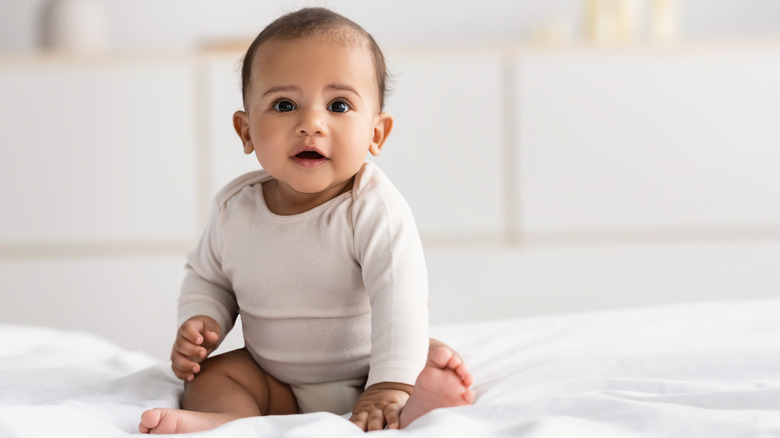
<point x="335" y="42"/>
<point x="267" y="52"/>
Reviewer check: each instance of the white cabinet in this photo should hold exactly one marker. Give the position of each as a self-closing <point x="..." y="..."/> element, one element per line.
<point x="660" y="139"/>
<point x="224" y="157"/>
<point x="130" y="300"/>
<point x="97" y="151"/>
<point x="570" y="142"/>
<point x="446" y="150"/>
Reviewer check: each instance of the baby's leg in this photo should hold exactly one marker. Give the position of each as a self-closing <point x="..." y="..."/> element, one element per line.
<point x="228" y="387"/>
<point x="444" y="382"/>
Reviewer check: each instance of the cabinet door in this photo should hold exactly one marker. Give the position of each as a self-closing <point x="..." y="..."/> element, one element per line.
<point x="129" y="300"/>
<point x="445" y="151"/>
<point x="225" y="156"/>
<point x="97" y="151"/>
<point x="675" y="139"/>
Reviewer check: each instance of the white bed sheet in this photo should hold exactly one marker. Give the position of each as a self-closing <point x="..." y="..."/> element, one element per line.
<point x="689" y="370"/>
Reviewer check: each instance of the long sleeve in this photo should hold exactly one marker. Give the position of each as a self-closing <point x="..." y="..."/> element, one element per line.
<point x="394" y="273"/>
<point x="205" y="289"/>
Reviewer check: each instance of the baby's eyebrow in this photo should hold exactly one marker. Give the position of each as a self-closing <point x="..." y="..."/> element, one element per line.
<point x="343" y="87"/>
<point x="338" y="87"/>
<point x="281" y="88"/>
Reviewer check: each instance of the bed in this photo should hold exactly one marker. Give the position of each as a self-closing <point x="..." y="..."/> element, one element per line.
<point x="701" y="369"/>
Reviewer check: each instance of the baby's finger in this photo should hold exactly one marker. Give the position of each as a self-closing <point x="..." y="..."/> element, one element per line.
<point x="183" y="365"/>
<point x="393" y="416"/>
<point x="183" y="372"/>
<point x="190" y="331"/>
<point x="376" y="420"/>
<point x="211" y="332"/>
<point x="187" y="348"/>
<point x="360" y="419"/>
<point x="183" y="362"/>
<point x="183" y="376"/>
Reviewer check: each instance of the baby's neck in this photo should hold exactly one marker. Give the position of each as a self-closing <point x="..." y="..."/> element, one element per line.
<point x="285" y="201"/>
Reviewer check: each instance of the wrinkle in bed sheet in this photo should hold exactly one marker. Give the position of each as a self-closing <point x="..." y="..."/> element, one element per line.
<point x="694" y="370"/>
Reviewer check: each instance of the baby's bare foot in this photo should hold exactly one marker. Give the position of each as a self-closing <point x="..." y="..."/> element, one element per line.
<point x="444" y="382"/>
<point x="165" y="421"/>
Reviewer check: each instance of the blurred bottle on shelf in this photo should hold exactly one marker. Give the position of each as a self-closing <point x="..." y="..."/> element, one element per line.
<point x="621" y="21"/>
<point x="555" y="32"/>
<point x="74" y="26"/>
<point x="663" y="20"/>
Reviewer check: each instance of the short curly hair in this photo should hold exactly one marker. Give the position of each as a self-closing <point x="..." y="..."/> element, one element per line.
<point x="317" y="22"/>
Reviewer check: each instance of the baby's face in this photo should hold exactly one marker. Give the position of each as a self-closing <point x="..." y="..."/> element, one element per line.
<point x="312" y="108"/>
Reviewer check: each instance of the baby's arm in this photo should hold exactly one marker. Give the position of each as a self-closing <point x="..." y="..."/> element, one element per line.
<point x="196" y="339"/>
<point x="207" y="304"/>
<point x="393" y="267"/>
<point x="380" y="404"/>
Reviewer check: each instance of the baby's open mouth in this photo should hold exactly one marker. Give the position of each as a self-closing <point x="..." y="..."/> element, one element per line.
<point x="310" y="159"/>
<point x="310" y="155"/>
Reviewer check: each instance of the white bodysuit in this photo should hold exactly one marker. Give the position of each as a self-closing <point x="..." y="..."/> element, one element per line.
<point x="336" y="293"/>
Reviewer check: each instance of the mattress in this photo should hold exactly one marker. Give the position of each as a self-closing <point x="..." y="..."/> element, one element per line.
<point x="706" y="369"/>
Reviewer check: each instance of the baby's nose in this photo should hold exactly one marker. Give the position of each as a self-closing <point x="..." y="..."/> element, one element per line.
<point x="311" y="123"/>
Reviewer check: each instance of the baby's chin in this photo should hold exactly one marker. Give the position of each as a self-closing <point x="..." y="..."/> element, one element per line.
<point x="324" y="188"/>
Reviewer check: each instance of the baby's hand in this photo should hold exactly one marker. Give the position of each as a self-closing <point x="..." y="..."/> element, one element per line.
<point x="196" y="339"/>
<point x="380" y="404"/>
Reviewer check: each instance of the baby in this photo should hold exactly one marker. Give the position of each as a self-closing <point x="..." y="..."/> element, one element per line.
<point x="317" y="252"/>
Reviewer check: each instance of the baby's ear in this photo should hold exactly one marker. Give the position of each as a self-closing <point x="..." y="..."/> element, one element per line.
<point x="383" y="124"/>
<point x="241" y="125"/>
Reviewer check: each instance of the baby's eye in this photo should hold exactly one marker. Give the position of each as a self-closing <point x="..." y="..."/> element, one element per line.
<point x="284" y="106"/>
<point x="338" y="106"/>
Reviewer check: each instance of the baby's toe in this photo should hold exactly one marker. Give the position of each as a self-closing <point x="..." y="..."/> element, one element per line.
<point x="149" y="420"/>
<point x="462" y="371"/>
<point x="454" y="362"/>
<point x="441" y="357"/>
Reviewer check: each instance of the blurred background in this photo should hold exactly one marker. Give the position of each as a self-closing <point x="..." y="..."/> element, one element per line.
<point x="559" y="155"/>
<point x="177" y="25"/>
